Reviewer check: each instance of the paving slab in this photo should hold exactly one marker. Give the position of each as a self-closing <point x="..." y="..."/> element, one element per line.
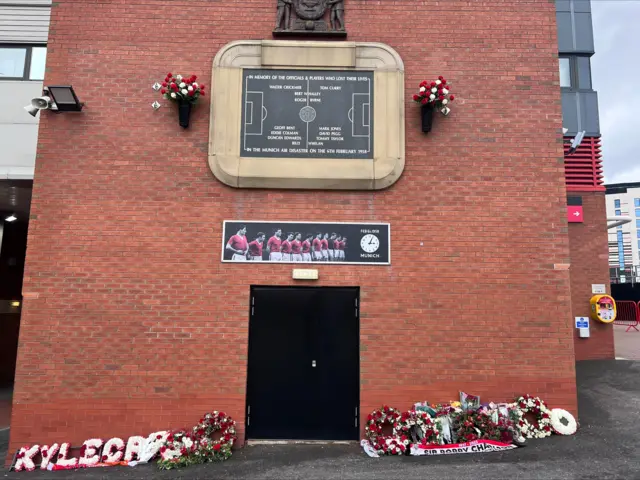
<point x="627" y="344"/>
<point x="605" y="447"/>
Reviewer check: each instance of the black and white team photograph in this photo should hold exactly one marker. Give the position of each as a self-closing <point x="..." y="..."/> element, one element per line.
<point x="301" y="242"/>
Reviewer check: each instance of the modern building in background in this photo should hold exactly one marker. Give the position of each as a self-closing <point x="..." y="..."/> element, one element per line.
<point x="586" y="211"/>
<point x="623" y="199"/>
<point x="24" y="27"/>
<point x="123" y="262"/>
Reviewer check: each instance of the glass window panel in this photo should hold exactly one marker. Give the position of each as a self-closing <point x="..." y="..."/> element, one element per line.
<point x="618" y="213"/>
<point x="637" y="212"/>
<point x="584" y="72"/>
<point x="637" y="223"/>
<point x="616" y="203"/>
<point x="12" y="62"/>
<point x="38" y="62"/>
<point x="565" y="72"/>
<point x="636" y="201"/>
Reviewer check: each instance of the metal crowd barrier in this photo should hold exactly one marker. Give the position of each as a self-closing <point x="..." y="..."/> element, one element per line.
<point x="628" y="313"/>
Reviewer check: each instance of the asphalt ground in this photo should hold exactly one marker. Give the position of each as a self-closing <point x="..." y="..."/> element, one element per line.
<point x="604" y="447"/>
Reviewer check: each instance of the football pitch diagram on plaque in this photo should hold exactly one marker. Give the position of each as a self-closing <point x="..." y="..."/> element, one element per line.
<point x="307" y="114"/>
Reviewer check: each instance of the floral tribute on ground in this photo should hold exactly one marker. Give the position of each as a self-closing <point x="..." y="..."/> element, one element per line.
<point x="385" y="444"/>
<point x="563" y="422"/>
<point x="534" y="417"/>
<point x="211" y="440"/>
<point x="200" y="445"/>
<point x="467" y="426"/>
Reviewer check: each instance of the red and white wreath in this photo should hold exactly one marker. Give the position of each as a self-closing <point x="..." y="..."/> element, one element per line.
<point x="385" y="444"/>
<point x="413" y="420"/>
<point x="391" y="445"/>
<point x="216" y="422"/>
<point x="540" y="427"/>
<point x="377" y="418"/>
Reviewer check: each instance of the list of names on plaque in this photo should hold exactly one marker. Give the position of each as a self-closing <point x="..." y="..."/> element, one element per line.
<point x="307" y="114"/>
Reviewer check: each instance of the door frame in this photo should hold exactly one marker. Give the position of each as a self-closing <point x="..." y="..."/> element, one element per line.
<point x="299" y="287"/>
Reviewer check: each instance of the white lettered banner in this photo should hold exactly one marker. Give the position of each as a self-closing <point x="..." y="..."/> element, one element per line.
<point x="477" y="446"/>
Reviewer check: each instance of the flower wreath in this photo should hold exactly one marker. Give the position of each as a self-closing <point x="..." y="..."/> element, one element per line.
<point x="562" y="422"/>
<point x="377" y="418"/>
<point x="391" y="445"/>
<point x="183" y="448"/>
<point x="541" y="426"/>
<point x="426" y="427"/>
<point x="385" y="444"/>
<point x="216" y="422"/>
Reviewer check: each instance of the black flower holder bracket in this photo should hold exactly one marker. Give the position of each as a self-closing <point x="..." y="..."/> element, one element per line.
<point x="183" y="90"/>
<point x="433" y="96"/>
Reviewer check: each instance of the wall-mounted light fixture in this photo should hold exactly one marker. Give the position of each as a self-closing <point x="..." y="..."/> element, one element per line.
<point x="65" y="98"/>
<point x="15" y="303"/>
<point x="57" y="98"/>
<point x="11" y="218"/>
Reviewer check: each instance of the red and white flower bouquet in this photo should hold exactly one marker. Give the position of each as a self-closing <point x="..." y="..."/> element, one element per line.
<point x="436" y="94"/>
<point x="185" y="91"/>
<point x="182" y="89"/>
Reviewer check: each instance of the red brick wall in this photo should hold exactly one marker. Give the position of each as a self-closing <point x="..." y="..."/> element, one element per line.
<point x="139" y="326"/>
<point x="590" y="264"/>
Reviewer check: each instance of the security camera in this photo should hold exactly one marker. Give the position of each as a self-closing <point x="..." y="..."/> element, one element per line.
<point x="576" y="142"/>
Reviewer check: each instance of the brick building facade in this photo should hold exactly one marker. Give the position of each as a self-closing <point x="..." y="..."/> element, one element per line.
<point x="130" y="321"/>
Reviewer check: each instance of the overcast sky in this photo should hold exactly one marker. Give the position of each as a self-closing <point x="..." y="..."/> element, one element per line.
<point x="616" y="76"/>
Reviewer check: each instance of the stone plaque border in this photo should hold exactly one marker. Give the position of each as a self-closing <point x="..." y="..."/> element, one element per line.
<point x="304" y="173"/>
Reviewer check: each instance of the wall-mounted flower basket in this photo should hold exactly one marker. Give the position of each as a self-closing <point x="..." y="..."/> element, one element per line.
<point x="184" y="112"/>
<point x="184" y="91"/>
<point x="433" y="96"/>
<point x="427" y="117"/>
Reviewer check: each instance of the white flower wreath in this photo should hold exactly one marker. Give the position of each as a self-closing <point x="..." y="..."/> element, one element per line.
<point x="542" y="425"/>
<point x="563" y="422"/>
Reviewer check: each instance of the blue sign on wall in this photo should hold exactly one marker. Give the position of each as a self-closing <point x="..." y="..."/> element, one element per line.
<point x="582" y="322"/>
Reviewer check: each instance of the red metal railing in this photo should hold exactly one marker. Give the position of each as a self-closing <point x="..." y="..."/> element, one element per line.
<point x="583" y="169"/>
<point x="628" y="313"/>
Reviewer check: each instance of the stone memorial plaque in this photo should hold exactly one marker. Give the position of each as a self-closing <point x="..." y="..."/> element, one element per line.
<point x="307" y="114"/>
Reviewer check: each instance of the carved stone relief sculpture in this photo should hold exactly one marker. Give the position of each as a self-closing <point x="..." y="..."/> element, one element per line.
<point x="300" y="17"/>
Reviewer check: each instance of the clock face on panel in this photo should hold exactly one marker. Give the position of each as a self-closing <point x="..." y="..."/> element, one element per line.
<point x="370" y="243"/>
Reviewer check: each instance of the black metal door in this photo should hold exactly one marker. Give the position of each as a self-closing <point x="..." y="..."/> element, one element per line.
<point x="303" y="373"/>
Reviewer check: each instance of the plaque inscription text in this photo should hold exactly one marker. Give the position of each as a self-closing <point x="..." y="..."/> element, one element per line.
<point x="307" y="114"/>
